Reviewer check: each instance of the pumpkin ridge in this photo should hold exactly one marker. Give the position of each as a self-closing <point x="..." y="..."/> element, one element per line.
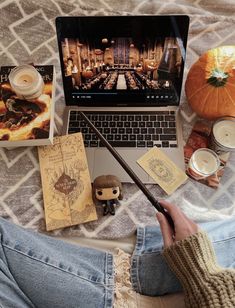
<point x="217" y="101"/>
<point x="206" y="85"/>
<point x="229" y="97"/>
<point x="230" y="84"/>
<point x="205" y="98"/>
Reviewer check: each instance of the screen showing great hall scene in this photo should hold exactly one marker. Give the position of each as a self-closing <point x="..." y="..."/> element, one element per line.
<point x="147" y="65"/>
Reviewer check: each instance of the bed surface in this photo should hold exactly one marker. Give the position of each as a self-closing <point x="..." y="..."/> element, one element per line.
<point x="28" y="35"/>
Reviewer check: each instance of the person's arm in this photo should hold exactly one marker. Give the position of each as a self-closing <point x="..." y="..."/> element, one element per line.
<point x="190" y="255"/>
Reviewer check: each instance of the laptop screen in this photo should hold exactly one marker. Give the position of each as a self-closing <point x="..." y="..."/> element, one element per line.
<point x="122" y="60"/>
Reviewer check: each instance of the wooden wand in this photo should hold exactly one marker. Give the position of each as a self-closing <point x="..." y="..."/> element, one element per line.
<point x="130" y="172"/>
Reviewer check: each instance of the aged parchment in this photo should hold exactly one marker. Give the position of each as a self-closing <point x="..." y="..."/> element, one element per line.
<point x="162" y="170"/>
<point x="66" y="183"/>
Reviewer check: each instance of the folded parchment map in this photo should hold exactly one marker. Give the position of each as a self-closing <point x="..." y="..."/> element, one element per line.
<point x="66" y="183"/>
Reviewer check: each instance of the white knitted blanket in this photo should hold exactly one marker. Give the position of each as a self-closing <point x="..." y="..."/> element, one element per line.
<point x="27" y="33"/>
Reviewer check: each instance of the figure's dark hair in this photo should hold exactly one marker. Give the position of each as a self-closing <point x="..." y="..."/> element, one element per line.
<point x="107" y="181"/>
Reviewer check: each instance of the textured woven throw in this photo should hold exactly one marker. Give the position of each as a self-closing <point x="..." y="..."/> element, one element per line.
<point x="27" y="34"/>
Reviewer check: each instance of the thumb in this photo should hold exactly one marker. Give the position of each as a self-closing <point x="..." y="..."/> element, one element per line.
<point x="166" y="230"/>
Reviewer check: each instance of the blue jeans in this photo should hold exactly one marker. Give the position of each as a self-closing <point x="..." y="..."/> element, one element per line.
<point x="40" y="271"/>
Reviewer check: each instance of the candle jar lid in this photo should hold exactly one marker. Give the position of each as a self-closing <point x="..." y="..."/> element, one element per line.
<point x="204" y="162"/>
<point x="26" y="82"/>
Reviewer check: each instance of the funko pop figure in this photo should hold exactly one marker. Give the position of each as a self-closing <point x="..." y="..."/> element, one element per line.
<point x="107" y="189"/>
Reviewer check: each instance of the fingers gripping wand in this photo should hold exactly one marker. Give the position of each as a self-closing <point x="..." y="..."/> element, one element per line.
<point x="130" y="172"/>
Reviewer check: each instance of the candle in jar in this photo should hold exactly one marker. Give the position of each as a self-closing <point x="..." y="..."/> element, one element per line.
<point x="204" y="161"/>
<point x="26" y="82"/>
<point x="224" y="132"/>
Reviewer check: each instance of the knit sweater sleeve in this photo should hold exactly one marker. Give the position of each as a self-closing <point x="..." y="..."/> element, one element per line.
<point x="205" y="283"/>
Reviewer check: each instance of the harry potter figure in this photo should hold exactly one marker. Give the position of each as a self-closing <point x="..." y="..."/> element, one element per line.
<point x="108" y="190"/>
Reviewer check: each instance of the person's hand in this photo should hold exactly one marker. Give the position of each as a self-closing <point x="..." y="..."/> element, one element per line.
<point x="184" y="226"/>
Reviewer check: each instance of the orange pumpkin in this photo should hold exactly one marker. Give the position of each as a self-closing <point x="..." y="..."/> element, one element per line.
<point x="210" y="84"/>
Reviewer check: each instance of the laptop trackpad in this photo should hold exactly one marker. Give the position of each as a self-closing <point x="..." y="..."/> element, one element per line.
<point x="105" y="163"/>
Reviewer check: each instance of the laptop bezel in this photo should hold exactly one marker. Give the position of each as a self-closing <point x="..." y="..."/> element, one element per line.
<point x="62" y="23"/>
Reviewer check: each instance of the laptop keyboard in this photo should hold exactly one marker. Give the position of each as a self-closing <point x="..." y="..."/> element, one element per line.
<point x="127" y="129"/>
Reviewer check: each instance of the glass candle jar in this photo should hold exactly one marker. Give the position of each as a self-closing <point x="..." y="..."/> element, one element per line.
<point x="203" y="163"/>
<point x="223" y="135"/>
<point x="26" y="82"/>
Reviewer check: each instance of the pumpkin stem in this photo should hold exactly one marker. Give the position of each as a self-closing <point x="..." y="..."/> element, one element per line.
<point x="218" y="78"/>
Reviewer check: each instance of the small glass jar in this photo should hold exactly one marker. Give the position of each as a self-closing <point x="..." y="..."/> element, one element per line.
<point x="222" y="139"/>
<point x="26" y="82"/>
<point x="203" y="163"/>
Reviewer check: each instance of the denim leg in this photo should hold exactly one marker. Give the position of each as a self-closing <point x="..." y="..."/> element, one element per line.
<point x="40" y="271"/>
<point x="10" y="293"/>
<point x="150" y="273"/>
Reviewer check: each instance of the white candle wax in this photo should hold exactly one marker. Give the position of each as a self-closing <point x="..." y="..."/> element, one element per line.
<point x="23" y="79"/>
<point x="26" y="82"/>
<point x="224" y="133"/>
<point x="205" y="161"/>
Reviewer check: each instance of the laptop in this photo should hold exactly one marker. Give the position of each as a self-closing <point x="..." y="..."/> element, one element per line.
<point x="125" y="73"/>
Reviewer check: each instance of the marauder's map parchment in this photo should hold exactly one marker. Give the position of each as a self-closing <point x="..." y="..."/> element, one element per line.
<point x="66" y="183"/>
<point x="162" y="170"/>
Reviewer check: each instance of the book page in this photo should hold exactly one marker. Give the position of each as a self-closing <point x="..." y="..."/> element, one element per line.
<point x="66" y="183"/>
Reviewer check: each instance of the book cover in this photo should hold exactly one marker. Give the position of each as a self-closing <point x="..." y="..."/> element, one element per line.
<point x="26" y="122"/>
<point x="66" y="183"/>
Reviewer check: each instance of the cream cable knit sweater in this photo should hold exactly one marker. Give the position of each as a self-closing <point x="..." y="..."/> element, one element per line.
<point x="205" y="283"/>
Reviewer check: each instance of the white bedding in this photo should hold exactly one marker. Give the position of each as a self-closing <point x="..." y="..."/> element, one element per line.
<point x="28" y="35"/>
<point x="127" y="244"/>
